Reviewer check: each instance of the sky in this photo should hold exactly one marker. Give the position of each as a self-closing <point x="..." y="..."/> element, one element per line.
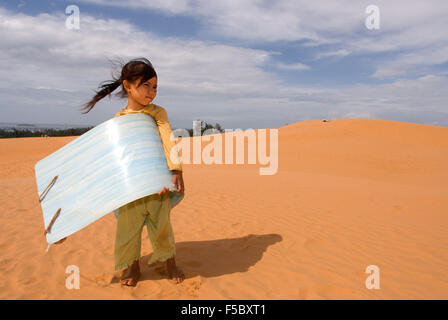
<point x="240" y="63"/>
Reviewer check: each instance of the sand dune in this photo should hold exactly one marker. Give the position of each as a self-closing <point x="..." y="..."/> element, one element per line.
<point x="348" y="193"/>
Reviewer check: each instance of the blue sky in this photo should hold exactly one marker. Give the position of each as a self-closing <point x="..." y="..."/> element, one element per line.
<point x="243" y="64"/>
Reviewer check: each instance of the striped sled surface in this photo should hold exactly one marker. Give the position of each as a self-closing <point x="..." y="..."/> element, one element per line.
<point x="114" y="163"/>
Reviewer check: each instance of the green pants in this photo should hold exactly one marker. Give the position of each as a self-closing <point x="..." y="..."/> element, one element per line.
<point x="154" y="212"/>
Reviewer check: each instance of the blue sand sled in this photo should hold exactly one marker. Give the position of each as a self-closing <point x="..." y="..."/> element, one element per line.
<point x="115" y="163"/>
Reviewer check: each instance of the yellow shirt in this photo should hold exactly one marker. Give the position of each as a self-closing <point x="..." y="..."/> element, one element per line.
<point x="161" y="117"/>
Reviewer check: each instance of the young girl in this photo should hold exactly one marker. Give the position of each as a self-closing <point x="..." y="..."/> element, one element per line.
<point x="138" y="83"/>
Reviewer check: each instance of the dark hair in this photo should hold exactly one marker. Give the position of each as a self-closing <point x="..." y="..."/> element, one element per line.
<point x="131" y="71"/>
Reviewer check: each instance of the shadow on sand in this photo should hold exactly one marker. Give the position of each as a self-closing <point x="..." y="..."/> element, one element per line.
<point x="212" y="258"/>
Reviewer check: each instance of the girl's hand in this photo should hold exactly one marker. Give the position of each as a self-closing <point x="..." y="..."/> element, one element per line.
<point x="164" y="191"/>
<point x="178" y="181"/>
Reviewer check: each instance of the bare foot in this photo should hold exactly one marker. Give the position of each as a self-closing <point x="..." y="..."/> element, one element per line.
<point x="131" y="275"/>
<point x="173" y="271"/>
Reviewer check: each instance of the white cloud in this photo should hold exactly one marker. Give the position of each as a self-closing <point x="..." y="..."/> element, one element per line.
<point x="48" y="71"/>
<point x="406" y="27"/>
<point x="293" y="66"/>
<point x="37" y="53"/>
<point x="336" y="53"/>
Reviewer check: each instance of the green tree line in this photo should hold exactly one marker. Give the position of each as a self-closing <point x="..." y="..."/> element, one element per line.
<point x="205" y="126"/>
<point x="15" y="133"/>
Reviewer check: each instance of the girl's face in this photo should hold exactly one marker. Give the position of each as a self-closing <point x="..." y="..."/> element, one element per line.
<point x="144" y="93"/>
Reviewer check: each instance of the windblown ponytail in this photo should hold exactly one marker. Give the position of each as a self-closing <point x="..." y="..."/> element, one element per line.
<point x="106" y="88"/>
<point x="139" y="68"/>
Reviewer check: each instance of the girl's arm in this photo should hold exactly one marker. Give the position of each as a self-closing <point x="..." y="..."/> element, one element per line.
<point x="171" y="152"/>
<point x="169" y="146"/>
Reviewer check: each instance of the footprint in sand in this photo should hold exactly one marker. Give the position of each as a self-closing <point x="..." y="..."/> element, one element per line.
<point x="104" y="280"/>
<point x="193" y="286"/>
<point x="398" y="208"/>
<point x="7" y="264"/>
<point x="190" y="286"/>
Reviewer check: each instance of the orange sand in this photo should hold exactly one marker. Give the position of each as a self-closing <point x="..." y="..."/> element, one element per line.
<point x="348" y="194"/>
